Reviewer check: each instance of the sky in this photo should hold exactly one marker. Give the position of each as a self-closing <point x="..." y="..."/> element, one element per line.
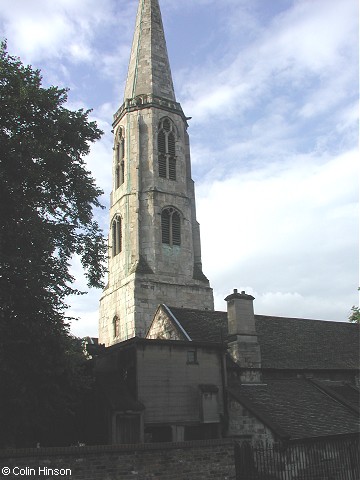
<point x="272" y="89"/>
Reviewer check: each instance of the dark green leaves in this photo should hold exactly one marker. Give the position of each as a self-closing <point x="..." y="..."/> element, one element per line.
<point x="47" y="198"/>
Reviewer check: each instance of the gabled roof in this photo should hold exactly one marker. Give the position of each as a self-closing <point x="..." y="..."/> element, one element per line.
<point x="204" y="325"/>
<point x="296" y="409"/>
<point x="285" y="343"/>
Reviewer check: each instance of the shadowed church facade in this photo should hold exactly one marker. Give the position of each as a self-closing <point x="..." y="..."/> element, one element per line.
<point x="154" y="238"/>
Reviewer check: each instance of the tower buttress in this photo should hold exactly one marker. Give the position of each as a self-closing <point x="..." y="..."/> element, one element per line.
<point x="154" y="238"/>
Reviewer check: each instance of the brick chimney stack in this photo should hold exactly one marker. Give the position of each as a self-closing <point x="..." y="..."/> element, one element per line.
<point x="243" y="341"/>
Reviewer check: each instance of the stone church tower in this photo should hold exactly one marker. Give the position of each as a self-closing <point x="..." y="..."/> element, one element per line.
<point x="154" y="238"/>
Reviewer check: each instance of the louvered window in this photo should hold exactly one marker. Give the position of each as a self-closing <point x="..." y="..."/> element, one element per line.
<point x="162" y="166"/>
<point x="162" y="142"/>
<point x="171" y="227"/>
<point x="176" y="237"/>
<point x="165" y="227"/>
<point x="116" y="234"/>
<point x="172" y="168"/>
<point x="171" y="144"/>
<point x="122" y="172"/>
<point x="167" y="149"/>
<point x="120" y="159"/>
<point x="117" y="176"/>
<point x="166" y="125"/>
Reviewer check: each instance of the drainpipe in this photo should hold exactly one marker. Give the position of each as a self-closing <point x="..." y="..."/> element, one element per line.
<point x="225" y="420"/>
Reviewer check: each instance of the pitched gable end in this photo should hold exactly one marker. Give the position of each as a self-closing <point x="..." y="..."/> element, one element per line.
<point x="165" y="326"/>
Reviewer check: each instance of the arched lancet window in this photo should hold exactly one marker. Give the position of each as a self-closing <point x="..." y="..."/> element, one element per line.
<point x="119" y="158"/>
<point x="116" y="234"/>
<point x="170" y="227"/>
<point x="116" y="326"/>
<point x="166" y="149"/>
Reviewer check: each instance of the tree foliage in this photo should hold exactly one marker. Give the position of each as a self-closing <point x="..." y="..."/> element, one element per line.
<point x="47" y="198"/>
<point x="354" y="316"/>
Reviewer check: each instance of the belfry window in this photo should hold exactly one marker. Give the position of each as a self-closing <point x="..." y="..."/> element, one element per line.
<point x="167" y="149"/>
<point x="119" y="158"/>
<point x="170" y="227"/>
<point x="116" y="234"/>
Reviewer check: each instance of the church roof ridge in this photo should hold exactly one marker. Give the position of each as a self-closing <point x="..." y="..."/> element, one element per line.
<point x="286" y="343"/>
<point x="261" y="316"/>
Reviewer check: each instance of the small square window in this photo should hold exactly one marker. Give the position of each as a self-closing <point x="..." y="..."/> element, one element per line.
<point x="192" y="357"/>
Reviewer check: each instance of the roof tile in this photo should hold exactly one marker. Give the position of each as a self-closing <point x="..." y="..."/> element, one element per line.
<point x="298" y="408"/>
<point x="286" y="343"/>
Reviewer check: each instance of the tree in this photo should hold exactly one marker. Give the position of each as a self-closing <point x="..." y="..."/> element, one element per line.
<point x="47" y="198"/>
<point x="354" y="316"/>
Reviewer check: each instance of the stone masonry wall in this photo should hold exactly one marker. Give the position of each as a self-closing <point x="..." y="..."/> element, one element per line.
<point x="242" y="422"/>
<point x="203" y="460"/>
<point x="146" y="272"/>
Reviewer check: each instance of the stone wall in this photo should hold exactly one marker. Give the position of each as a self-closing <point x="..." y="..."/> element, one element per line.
<point x="203" y="460"/>
<point x="147" y="272"/>
<point x="243" y="423"/>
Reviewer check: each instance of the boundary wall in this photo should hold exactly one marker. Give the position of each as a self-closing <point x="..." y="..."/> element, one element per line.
<point x="200" y="460"/>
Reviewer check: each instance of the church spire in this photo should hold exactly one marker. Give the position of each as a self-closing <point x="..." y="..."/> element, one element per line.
<point x="154" y="237"/>
<point x="149" y="69"/>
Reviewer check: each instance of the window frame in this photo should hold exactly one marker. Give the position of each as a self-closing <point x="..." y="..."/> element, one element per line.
<point x="171" y="227"/>
<point x="119" y="159"/>
<point x="116" y="235"/>
<point x="192" y="357"/>
<point x="116" y="326"/>
<point x="166" y="143"/>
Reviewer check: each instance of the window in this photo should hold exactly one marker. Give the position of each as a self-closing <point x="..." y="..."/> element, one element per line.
<point x="116" y="234"/>
<point x="170" y="227"/>
<point x="116" y="326"/>
<point x="209" y="408"/>
<point x="192" y="357"/>
<point x="119" y="159"/>
<point x="167" y="149"/>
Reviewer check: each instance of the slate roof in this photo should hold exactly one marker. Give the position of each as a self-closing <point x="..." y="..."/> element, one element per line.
<point x="298" y="343"/>
<point x="296" y="409"/>
<point x="202" y="325"/>
<point x="286" y="343"/>
<point x="343" y="392"/>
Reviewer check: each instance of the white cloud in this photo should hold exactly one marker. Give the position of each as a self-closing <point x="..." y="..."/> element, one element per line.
<point x="297" y="305"/>
<point x="312" y="45"/>
<point x="87" y="324"/>
<point x="40" y="30"/>
<point x="292" y="229"/>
